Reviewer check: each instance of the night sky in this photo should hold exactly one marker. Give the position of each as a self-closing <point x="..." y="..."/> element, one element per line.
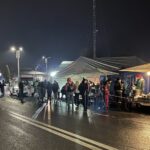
<point x="62" y="29"/>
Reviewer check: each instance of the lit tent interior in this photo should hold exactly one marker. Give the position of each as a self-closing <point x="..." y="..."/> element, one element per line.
<point x="87" y="68"/>
<point x="140" y="68"/>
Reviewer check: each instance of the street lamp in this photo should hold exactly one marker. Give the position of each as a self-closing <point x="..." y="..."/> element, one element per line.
<point x="53" y="73"/>
<point x="46" y="61"/>
<point x="17" y="51"/>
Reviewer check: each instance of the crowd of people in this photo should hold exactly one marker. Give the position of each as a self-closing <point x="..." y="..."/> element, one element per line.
<point x="74" y="93"/>
<point x="84" y="92"/>
<point x="77" y="92"/>
<point x="116" y="89"/>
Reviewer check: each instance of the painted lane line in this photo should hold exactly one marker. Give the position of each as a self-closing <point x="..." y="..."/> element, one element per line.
<point x="94" y="113"/>
<point x="78" y="141"/>
<point x="38" y="111"/>
<point x="67" y="132"/>
<point x="100" y="114"/>
<point x="48" y="111"/>
<point x="44" y="114"/>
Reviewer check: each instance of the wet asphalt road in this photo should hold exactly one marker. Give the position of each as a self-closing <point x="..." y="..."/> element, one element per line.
<point x="54" y="127"/>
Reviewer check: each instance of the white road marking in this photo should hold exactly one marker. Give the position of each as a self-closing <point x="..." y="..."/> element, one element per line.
<point x="38" y="111"/>
<point x="94" y="113"/>
<point x="48" y="111"/>
<point x="78" y="141"/>
<point x="100" y="114"/>
<point x="63" y="133"/>
<point x="44" y="114"/>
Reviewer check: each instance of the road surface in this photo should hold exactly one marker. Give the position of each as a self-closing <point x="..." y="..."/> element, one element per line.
<point x="55" y="127"/>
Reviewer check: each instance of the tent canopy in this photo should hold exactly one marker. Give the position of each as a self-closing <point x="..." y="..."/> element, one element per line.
<point x="121" y="62"/>
<point x="141" y="68"/>
<point x="92" y="69"/>
<point x="85" y="66"/>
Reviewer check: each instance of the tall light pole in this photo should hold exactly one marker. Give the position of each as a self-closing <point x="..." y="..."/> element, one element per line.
<point x="46" y="61"/>
<point x="17" y="51"/>
<point x="94" y="29"/>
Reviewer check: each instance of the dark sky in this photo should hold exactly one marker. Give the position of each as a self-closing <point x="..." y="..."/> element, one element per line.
<point x="62" y="29"/>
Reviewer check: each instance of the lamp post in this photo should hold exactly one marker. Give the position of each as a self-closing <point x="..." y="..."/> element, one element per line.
<point x="17" y="51"/>
<point x="46" y="61"/>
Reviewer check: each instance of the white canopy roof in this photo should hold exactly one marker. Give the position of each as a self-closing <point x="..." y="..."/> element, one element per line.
<point x="88" y="67"/>
<point x="141" y="68"/>
<point x="122" y="62"/>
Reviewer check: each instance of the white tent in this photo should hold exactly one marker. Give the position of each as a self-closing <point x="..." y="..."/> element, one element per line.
<point x="121" y="62"/>
<point x="141" y="68"/>
<point x="85" y="65"/>
<point x="87" y="68"/>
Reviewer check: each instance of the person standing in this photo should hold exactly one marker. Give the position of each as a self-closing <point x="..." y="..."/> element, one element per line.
<point x="77" y="92"/>
<point x="118" y="88"/>
<point x="63" y="93"/>
<point x="107" y="93"/>
<point x="84" y="91"/>
<point x="21" y="87"/>
<point x="70" y="89"/>
<point x="42" y="90"/>
<point x="140" y="84"/>
<point x="3" y="88"/>
<point x="49" y="91"/>
<point x="55" y="88"/>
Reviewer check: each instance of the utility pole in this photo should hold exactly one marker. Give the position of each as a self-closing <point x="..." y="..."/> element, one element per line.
<point x="94" y="29"/>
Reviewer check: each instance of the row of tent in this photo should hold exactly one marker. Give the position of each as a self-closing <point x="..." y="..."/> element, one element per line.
<point x="92" y="69"/>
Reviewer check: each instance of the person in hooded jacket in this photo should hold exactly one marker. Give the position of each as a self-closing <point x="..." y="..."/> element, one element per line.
<point x="84" y="91"/>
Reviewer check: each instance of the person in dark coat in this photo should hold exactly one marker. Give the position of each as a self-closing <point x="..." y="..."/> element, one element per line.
<point x="21" y="87"/>
<point x="55" y="88"/>
<point x="84" y="90"/>
<point x="118" y="88"/>
<point x="63" y="92"/>
<point x="2" y="87"/>
<point x="42" y="91"/>
<point x="49" y="91"/>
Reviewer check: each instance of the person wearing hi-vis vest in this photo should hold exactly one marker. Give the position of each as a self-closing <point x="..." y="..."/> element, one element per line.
<point x="139" y="84"/>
